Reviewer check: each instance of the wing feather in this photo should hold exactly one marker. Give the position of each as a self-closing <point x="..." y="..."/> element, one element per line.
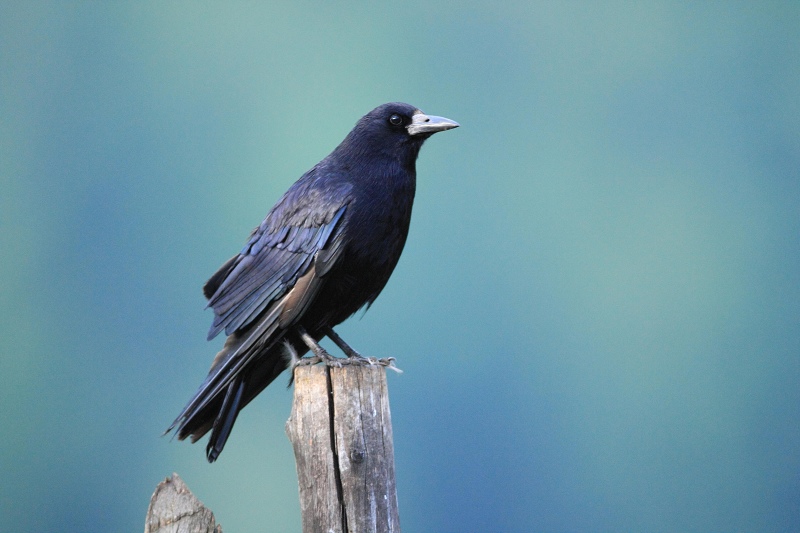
<point x="265" y="270"/>
<point x="266" y="288"/>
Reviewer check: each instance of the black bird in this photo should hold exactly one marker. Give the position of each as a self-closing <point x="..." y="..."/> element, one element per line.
<point x="325" y="250"/>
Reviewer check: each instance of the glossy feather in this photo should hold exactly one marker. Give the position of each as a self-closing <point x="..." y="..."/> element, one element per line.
<point x="326" y="249"/>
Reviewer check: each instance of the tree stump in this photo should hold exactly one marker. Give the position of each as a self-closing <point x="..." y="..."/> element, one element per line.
<point x="174" y="509"/>
<point x="341" y="431"/>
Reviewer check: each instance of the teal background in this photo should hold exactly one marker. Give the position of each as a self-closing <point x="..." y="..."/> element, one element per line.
<point x="597" y="312"/>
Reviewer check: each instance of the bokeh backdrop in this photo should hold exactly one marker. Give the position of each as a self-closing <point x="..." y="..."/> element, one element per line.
<point x="597" y="312"/>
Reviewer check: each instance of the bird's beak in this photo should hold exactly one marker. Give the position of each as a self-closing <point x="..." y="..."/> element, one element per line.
<point x="430" y="124"/>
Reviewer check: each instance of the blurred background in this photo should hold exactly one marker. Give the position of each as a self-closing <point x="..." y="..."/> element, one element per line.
<point x="598" y="308"/>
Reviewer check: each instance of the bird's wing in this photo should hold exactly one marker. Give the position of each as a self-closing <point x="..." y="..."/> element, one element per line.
<point x="278" y="253"/>
<point x="267" y="287"/>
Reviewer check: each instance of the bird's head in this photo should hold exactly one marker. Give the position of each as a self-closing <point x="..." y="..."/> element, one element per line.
<point x="395" y="129"/>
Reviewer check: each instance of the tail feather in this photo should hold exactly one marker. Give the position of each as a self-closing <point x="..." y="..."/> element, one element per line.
<point x="238" y="353"/>
<point x="219" y="413"/>
<point x="225" y="419"/>
<point x="250" y="360"/>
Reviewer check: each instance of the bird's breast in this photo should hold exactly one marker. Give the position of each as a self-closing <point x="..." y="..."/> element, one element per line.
<point x="379" y="222"/>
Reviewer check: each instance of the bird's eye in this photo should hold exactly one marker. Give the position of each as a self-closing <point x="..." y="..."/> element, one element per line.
<point x="395" y="120"/>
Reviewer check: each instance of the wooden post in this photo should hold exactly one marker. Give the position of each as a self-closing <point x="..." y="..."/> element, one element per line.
<point x="341" y="431"/>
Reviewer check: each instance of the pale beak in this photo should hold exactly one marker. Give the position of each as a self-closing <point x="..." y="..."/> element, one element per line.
<point x="429" y="124"/>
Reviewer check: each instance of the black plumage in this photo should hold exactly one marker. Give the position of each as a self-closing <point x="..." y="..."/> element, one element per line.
<point x="325" y="250"/>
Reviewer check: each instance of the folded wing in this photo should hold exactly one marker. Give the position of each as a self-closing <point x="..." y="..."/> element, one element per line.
<point x="256" y="296"/>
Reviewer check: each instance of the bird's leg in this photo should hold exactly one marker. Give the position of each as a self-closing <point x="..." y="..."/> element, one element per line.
<point x="346" y="348"/>
<point x="320" y="352"/>
<point x="355" y="358"/>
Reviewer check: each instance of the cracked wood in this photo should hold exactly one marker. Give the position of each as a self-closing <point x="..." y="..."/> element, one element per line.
<point x="340" y="429"/>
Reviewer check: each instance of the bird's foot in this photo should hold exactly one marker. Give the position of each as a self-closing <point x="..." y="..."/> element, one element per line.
<point x="355" y="358"/>
<point x="307" y="361"/>
<point x="339" y="362"/>
<point x="320" y="354"/>
<point x="388" y="362"/>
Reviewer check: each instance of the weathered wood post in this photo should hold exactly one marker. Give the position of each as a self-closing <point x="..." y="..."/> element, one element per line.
<point x="341" y="431"/>
<point x="174" y="509"/>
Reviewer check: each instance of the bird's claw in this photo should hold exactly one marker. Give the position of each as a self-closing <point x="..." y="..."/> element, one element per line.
<point x="388" y="362"/>
<point x="308" y="361"/>
<point x="336" y="362"/>
<point x="353" y="357"/>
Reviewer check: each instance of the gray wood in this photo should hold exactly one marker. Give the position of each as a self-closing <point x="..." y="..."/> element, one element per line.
<point x="174" y="509"/>
<point x="309" y="430"/>
<point x="341" y="431"/>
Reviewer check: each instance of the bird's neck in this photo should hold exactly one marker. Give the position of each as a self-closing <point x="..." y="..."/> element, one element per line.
<point x="358" y="152"/>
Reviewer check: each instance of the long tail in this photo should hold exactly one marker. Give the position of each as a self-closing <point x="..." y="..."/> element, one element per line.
<point x="250" y="360"/>
<point x="217" y="411"/>
<point x="226" y="417"/>
<point x="247" y="363"/>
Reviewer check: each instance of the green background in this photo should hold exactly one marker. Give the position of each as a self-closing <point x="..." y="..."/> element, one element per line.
<point x="598" y="308"/>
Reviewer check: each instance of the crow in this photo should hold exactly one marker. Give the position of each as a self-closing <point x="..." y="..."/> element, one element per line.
<point x="324" y="251"/>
